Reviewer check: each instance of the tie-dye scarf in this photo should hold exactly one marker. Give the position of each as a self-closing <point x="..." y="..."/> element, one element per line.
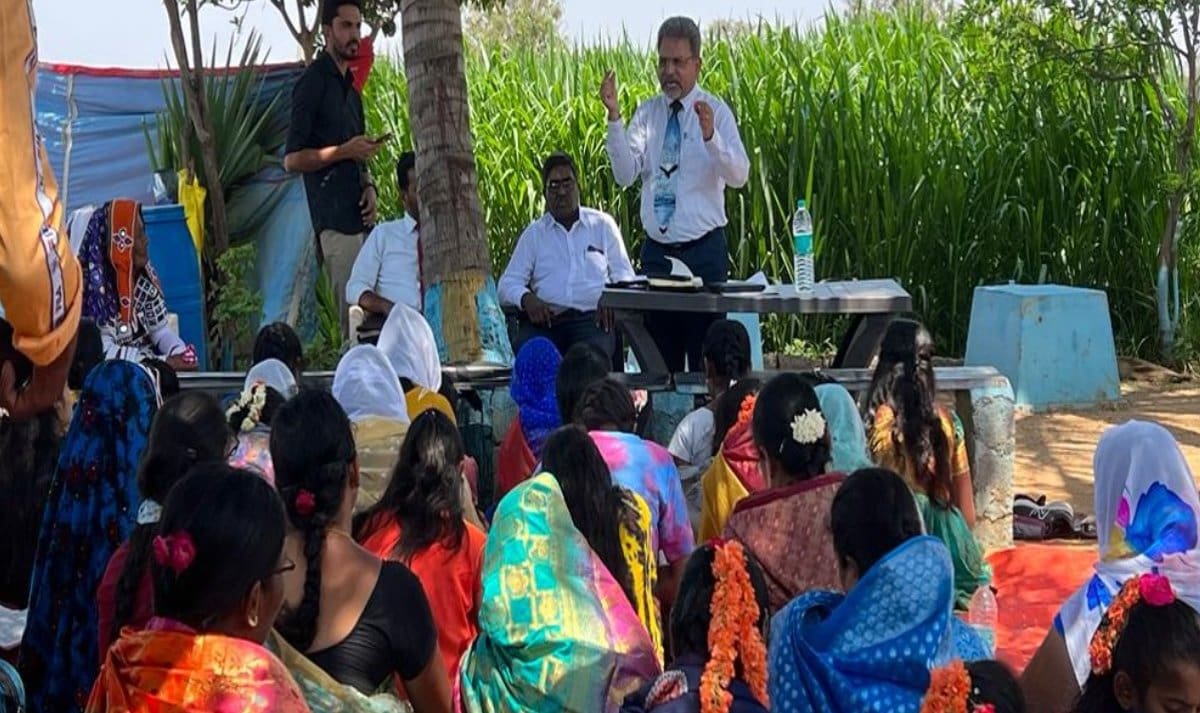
<point x="90" y="511"/>
<point x="871" y="649"/>
<point x="1146" y="517"/>
<point x="556" y="631"/>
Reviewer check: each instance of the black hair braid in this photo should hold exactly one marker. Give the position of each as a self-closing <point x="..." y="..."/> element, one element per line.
<point x="727" y="347"/>
<point x="136" y="562"/>
<point x="299" y="626"/>
<point x="921" y="439"/>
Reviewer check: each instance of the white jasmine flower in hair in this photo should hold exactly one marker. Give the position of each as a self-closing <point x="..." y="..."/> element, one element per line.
<point x="808" y="427"/>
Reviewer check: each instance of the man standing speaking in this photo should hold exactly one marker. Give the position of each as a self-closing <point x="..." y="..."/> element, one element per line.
<point x="326" y="143"/>
<point x="684" y="145"/>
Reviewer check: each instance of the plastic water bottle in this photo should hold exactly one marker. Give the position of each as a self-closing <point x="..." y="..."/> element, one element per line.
<point x="983" y="613"/>
<point x="802" y="248"/>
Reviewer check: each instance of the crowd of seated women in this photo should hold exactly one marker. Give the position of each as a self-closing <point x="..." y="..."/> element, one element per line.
<point x="296" y="549"/>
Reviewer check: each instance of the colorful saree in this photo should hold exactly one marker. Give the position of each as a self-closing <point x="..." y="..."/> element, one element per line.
<point x="556" y="631"/>
<point x="787" y="530"/>
<point x="152" y="671"/>
<point x="733" y="475"/>
<point x="637" y="544"/>
<point x="1147" y="512"/>
<point x="871" y="649"/>
<point x="971" y="571"/>
<point x="90" y="510"/>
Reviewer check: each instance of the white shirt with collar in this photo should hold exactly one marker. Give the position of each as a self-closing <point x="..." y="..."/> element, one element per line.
<point x="566" y="269"/>
<point x="705" y="167"/>
<point x="389" y="264"/>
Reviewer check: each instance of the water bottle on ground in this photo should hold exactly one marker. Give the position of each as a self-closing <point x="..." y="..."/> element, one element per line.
<point x="983" y="614"/>
<point x="802" y="248"/>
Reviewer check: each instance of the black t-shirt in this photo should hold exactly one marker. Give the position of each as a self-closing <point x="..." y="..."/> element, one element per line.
<point x="327" y="111"/>
<point x="394" y="634"/>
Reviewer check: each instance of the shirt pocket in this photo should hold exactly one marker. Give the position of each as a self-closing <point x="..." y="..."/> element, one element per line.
<point x="595" y="266"/>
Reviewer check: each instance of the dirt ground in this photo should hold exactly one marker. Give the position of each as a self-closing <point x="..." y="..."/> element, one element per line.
<point x="1054" y="450"/>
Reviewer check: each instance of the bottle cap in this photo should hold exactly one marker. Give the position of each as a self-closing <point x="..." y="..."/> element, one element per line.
<point x="801" y="203"/>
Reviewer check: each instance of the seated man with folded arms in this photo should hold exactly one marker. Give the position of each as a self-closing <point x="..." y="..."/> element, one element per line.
<point x="388" y="268"/>
<point x="561" y="264"/>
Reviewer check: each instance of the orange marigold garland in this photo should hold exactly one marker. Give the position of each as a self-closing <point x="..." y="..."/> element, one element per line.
<point x="949" y="689"/>
<point x="746" y="412"/>
<point x="733" y="632"/>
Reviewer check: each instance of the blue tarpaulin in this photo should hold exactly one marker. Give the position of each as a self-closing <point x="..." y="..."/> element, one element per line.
<point x="93" y="122"/>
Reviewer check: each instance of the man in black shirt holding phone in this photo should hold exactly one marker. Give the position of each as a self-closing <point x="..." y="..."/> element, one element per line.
<point x="326" y="143"/>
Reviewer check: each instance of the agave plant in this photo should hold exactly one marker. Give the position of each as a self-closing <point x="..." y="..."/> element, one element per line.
<point x="248" y="129"/>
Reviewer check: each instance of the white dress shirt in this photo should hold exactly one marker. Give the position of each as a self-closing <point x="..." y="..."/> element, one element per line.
<point x="566" y="269"/>
<point x="705" y="167"/>
<point x="388" y="265"/>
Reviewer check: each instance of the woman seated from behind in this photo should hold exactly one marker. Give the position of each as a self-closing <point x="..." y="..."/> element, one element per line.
<point x="534" y="373"/>
<point x="187" y="431"/>
<point x="975" y="687"/>
<point x="280" y="342"/>
<point x="268" y="384"/>
<point x="366" y="386"/>
<point x="1145" y="656"/>
<point x="420" y="522"/>
<point x="614" y="520"/>
<point x="407" y="341"/>
<point x="847" y="434"/>
<point x="734" y="472"/>
<point x="718" y="631"/>
<point x="785" y="525"/>
<point x="872" y="647"/>
<point x="121" y="293"/>
<point x="556" y="632"/>
<point x="1147" y="512"/>
<point x="726" y="353"/>
<point x="922" y="441"/>
<point x="360" y="622"/>
<point x="606" y="410"/>
<point x="217" y="568"/>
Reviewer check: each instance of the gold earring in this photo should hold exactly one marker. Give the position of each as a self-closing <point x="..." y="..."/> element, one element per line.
<point x="253" y="621"/>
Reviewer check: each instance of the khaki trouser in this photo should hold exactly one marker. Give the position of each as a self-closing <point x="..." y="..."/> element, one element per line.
<point x="40" y="281"/>
<point x="340" y="251"/>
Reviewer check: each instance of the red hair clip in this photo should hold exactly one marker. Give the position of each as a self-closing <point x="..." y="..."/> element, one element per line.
<point x="306" y="503"/>
<point x="175" y="552"/>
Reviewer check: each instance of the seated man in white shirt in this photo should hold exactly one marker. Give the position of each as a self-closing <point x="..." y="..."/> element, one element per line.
<point x="560" y="266"/>
<point x="388" y="268"/>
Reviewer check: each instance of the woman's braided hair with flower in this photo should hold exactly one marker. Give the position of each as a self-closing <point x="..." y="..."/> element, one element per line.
<point x="733" y="632"/>
<point x="1153" y="589"/>
<point x="250" y="405"/>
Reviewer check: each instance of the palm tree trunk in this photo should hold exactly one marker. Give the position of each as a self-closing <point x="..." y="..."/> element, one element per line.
<point x="452" y="228"/>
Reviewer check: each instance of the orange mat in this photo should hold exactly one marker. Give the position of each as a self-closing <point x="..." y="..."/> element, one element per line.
<point x="1033" y="581"/>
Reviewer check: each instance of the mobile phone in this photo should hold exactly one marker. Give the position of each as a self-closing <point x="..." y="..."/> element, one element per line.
<point x="383" y="139"/>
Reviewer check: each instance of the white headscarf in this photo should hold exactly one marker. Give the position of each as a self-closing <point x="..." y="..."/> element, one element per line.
<point x="1147" y="512"/>
<point x="366" y="385"/>
<point x="408" y="342"/>
<point x="275" y="374"/>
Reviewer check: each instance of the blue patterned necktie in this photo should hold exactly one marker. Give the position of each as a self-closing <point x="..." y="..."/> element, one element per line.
<point x="668" y="169"/>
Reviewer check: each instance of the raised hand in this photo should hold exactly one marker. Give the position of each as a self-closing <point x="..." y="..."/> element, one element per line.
<point x="705" y="113"/>
<point x="608" y="95"/>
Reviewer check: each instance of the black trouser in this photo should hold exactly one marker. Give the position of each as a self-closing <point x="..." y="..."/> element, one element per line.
<point x="680" y="334"/>
<point x="567" y="328"/>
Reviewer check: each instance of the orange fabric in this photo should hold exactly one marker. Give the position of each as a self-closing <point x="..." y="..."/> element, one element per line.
<point x="419" y="399"/>
<point x="41" y="287"/>
<point x="515" y="462"/>
<point x="1032" y="582"/>
<point x="452" y="580"/>
<point x="176" y="672"/>
<point x="122" y="224"/>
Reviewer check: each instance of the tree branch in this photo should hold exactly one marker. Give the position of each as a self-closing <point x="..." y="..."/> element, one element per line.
<point x="287" y="19"/>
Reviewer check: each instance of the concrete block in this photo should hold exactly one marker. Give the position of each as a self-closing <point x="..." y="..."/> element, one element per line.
<point x="1054" y="343"/>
